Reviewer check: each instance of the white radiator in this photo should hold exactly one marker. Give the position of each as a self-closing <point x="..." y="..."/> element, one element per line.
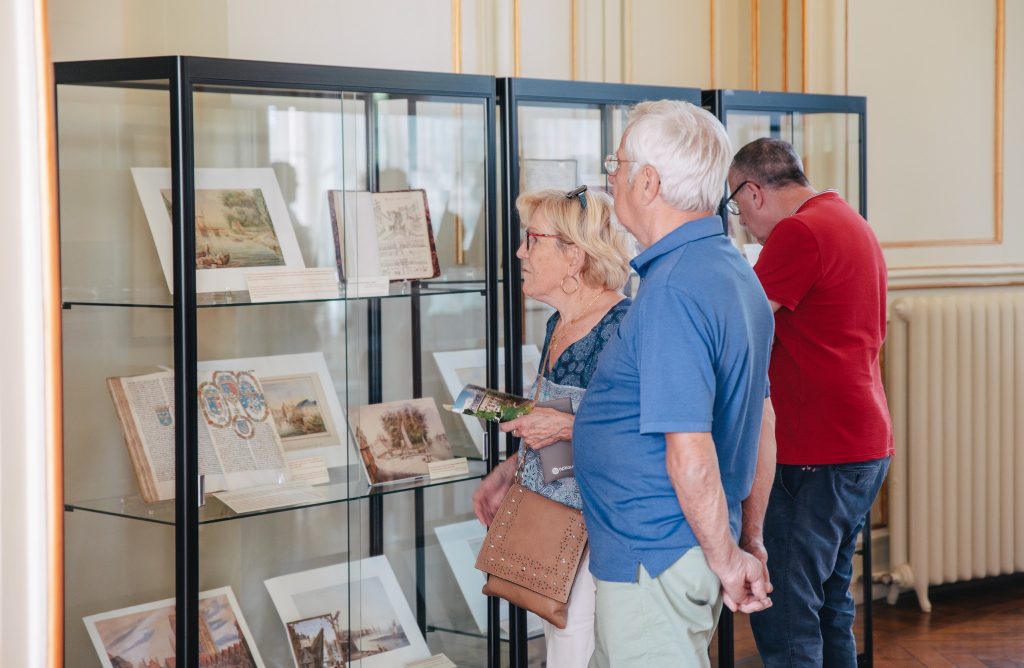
<point x="955" y="384"/>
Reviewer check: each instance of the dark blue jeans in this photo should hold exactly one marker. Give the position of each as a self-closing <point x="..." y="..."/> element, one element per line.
<point x="810" y="531"/>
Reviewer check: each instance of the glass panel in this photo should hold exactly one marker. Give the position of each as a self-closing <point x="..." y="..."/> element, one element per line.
<point x="561" y="146"/>
<point x="455" y="620"/>
<point x="743" y="128"/>
<point x="107" y="252"/>
<point x="273" y="378"/>
<point x="439" y="145"/>
<point x="554" y="136"/>
<point x="828" y="144"/>
<point x="287" y="571"/>
<point x="619" y="116"/>
<point x="407" y="358"/>
<point x="264" y="165"/>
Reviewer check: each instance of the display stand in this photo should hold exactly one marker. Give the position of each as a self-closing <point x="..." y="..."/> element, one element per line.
<point x="313" y="129"/>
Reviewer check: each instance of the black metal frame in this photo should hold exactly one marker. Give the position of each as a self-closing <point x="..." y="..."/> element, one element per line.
<point x="721" y="102"/>
<point x="513" y="92"/>
<point x="183" y="75"/>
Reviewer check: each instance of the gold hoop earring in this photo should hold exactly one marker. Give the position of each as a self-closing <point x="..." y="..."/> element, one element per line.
<point x="574" y="290"/>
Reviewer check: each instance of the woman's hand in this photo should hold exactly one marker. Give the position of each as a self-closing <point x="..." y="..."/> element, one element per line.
<point x="487" y="498"/>
<point x="541" y="427"/>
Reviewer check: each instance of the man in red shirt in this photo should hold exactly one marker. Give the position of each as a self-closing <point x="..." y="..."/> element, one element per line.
<point x="823" y="272"/>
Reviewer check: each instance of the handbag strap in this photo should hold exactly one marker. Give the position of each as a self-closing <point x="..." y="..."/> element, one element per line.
<point x="536" y="395"/>
<point x="540" y="373"/>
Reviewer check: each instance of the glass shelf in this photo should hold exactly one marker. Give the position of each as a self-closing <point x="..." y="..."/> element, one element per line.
<point x="162" y="512"/>
<point x="218" y="299"/>
<point x="433" y="628"/>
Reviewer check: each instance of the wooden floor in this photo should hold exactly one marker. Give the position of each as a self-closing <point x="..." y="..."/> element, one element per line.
<point x="978" y="624"/>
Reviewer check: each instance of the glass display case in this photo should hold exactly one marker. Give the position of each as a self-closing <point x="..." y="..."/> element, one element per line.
<point x="555" y="135"/>
<point x="274" y="278"/>
<point x="829" y="132"/>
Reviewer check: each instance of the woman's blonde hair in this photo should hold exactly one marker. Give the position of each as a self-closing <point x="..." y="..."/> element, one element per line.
<point x="606" y="248"/>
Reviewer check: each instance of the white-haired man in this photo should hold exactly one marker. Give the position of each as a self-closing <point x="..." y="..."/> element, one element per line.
<point x="667" y="436"/>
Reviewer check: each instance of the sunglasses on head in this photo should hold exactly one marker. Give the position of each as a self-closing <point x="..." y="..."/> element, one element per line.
<point x="578" y="193"/>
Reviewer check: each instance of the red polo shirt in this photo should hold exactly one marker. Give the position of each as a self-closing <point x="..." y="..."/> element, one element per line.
<point x="824" y="266"/>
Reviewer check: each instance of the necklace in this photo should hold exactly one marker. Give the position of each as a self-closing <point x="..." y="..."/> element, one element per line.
<point x="557" y="335"/>
<point x="821" y="192"/>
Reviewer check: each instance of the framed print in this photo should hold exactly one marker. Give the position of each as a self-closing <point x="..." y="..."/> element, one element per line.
<point x="242" y="224"/>
<point x="538" y="174"/>
<point x="398" y="439"/>
<point x="315" y="605"/>
<point x="143" y="633"/>
<point x="302" y="403"/>
<point x="464" y="367"/>
<point x="461" y="543"/>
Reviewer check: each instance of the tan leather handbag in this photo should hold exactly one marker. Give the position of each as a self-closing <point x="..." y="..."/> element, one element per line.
<point x="532" y="553"/>
<point x="533" y="549"/>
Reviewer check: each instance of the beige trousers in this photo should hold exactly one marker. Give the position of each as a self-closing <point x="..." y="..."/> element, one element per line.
<point x="667" y="621"/>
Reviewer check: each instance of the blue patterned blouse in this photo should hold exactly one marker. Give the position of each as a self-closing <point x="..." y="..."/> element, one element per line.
<point x="569" y="377"/>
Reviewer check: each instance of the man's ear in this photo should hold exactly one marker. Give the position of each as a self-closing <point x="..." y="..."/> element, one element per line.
<point x="757" y="196"/>
<point x="650" y="182"/>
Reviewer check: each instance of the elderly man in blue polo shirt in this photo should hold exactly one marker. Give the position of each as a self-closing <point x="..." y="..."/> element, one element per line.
<point x="667" y="438"/>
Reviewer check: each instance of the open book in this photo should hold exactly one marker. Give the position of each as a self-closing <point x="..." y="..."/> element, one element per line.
<point x="555" y="459"/>
<point x="490" y="405"/>
<point x="383" y="234"/>
<point x="238" y="445"/>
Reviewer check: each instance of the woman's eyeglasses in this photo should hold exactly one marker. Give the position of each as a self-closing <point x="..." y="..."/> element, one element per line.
<point x="579" y="194"/>
<point x="529" y="238"/>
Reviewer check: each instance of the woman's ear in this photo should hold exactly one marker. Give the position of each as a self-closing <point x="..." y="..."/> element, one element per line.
<point x="576" y="259"/>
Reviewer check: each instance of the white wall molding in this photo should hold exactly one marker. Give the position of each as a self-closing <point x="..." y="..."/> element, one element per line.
<point x="29" y="624"/>
<point x="907" y="278"/>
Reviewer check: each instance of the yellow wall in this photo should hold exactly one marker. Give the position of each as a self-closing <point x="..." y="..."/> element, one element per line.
<point x="927" y="67"/>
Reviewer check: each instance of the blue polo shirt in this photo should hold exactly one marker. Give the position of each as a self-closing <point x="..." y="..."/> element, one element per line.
<point x="691" y="355"/>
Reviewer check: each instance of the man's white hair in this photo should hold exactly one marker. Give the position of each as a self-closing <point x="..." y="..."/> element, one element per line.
<point x="686" y="145"/>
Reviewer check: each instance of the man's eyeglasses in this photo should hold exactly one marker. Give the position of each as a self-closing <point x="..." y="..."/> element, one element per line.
<point x="730" y="204"/>
<point x="612" y="163"/>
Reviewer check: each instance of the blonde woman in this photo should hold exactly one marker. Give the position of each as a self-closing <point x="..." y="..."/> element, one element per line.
<point x="575" y="260"/>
